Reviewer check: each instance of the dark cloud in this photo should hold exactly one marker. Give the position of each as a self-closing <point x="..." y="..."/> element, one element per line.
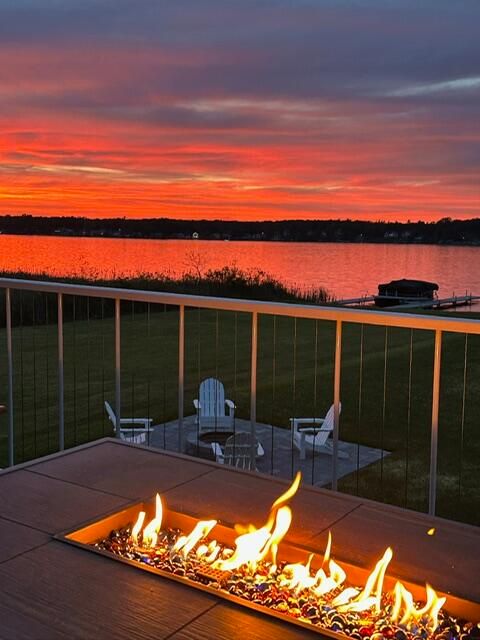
<point x="287" y="92"/>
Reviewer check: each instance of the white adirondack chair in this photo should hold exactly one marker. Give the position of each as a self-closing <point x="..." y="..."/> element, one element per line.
<point x="210" y="407"/>
<point x="139" y="438"/>
<point x="237" y="452"/>
<point x="136" y="425"/>
<point x="313" y="434"/>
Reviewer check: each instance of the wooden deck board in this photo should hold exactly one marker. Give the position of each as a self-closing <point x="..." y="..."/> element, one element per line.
<point x="48" y="504"/>
<point x="50" y="590"/>
<point x="228" y="622"/>
<point x="64" y="592"/>
<point x="244" y="498"/>
<point x="116" y="467"/>
<point x="447" y="560"/>
<point x="17" y="538"/>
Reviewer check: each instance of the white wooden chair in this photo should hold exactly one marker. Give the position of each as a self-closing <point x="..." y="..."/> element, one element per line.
<point x="210" y="407"/>
<point x="313" y="434"/>
<point x="139" y="438"/>
<point x="237" y="452"/>
<point x="136" y="425"/>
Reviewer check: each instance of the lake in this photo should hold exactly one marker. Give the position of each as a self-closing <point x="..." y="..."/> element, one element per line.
<point x="345" y="270"/>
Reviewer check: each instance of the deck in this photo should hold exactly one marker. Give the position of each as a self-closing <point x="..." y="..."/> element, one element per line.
<point x="50" y="590"/>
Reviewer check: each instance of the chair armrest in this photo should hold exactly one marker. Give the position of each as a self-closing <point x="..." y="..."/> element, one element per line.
<point x="231" y="408"/>
<point x="311" y="421"/>
<point x="146" y="421"/>
<point x="217" y="452"/>
<point x="196" y="404"/>
<point x="311" y="429"/>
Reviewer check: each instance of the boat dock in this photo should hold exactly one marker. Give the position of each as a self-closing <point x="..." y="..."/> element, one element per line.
<point x="435" y="303"/>
<point x="438" y="303"/>
<point x="361" y="301"/>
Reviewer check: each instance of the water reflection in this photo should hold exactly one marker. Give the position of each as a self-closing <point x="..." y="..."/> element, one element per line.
<point x="345" y="270"/>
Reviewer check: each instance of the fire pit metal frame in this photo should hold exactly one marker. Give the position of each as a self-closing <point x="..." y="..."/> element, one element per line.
<point x="85" y="535"/>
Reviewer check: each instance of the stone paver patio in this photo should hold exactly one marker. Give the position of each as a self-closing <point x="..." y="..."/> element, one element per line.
<point x="281" y="457"/>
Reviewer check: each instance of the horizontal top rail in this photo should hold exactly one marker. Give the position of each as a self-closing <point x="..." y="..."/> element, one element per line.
<point x="313" y="312"/>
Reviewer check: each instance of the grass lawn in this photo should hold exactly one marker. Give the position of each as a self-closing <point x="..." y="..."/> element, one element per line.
<point x="386" y="389"/>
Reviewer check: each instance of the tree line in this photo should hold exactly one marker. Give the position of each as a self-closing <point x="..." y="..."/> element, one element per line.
<point x="443" y="231"/>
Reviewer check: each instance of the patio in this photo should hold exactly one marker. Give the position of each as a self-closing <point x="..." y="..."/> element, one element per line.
<point x="281" y="458"/>
<point x="50" y="590"/>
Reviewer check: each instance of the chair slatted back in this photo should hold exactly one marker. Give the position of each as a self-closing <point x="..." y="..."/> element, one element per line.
<point x="212" y="397"/>
<point x="111" y="413"/>
<point x="238" y="451"/>
<point x="329" y="421"/>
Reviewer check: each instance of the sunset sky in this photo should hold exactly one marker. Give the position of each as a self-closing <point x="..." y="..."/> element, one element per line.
<point x="245" y="109"/>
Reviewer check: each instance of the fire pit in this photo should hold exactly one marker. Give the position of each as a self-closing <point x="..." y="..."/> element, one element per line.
<point x="259" y="569"/>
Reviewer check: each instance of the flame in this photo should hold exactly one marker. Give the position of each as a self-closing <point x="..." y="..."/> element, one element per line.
<point x="328" y="549"/>
<point x="282" y="525"/>
<point x="347" y="594"/>
<point x="254" y="545"/>
<point x="201" y="530"/>
<point x="404" y="601"/>
<point x="208" y="553"/>
<point x="297" y="576"/>
<point x="137" y="526"/>
<point x="323" y="583"/>
<point x="150" y="533"/>
<point x="248" y="550"/>
<point x="371" y="595"/>
<point x="289" y="493"/>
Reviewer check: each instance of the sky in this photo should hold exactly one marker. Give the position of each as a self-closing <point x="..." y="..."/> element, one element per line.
<point x="245" y="109"/>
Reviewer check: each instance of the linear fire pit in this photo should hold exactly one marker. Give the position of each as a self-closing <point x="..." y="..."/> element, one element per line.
<point x="258" y="568"/>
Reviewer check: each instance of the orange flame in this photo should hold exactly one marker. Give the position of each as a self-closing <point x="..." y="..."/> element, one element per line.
<point x="372" y="592"/>
<point x="323" y="583"/>
<point x="201" y="530"/>
<point x="297" y="576"/>
<point x="404" y="602"/>
<point x="254" y="545"/>
<point x="150" y="533"/>
<point x="138" y="526"/>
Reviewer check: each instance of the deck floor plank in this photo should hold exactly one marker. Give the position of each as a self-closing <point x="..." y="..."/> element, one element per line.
<point x="118" y="468"/>
<point x="52" y="591"/>
<point x="64" y="592"/>
<point x="446" y="560"/>
<point x="18" y="538"/>
<point x="243" y="498"/>
<point x="48" y="504"/>
<point x="227" y="622"/>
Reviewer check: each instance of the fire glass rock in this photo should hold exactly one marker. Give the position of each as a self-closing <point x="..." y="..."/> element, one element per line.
<point x="264" y="588"/>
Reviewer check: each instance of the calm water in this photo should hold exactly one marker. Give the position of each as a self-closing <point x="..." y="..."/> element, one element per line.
<point x="345" y="270"/>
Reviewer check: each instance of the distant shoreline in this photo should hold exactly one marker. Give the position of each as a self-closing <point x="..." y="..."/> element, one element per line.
<point x="475" y="244"/>
<point x="442" y="232"/>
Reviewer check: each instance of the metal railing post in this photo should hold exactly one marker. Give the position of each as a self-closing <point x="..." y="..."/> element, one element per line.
<point x="118" y="379"/>
<point x="61" y="381"/>
<point x="336" y="402"/>
<point x="181" y="374"/>
<point x="11" y="433"/>
<point x="253" y="390"/>
<point x="432" y="495"/>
